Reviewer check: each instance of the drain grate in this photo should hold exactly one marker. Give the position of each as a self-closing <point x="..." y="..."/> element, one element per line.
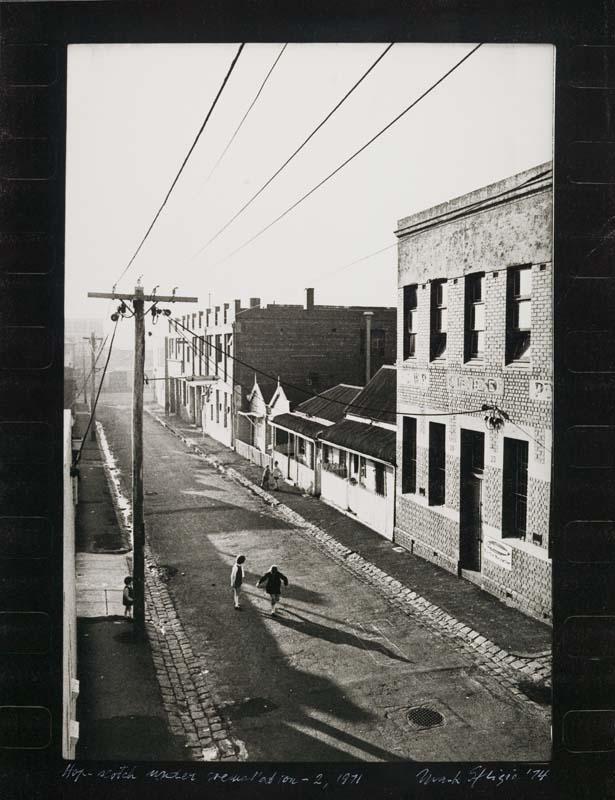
<point x="422" y="717"/>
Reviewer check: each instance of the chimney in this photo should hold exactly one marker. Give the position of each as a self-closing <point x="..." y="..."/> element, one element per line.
<point x="237" y="307"/>
<point x="368" y="344"/>
<point x="255" y="302"/>
<point x="309" y="299"/>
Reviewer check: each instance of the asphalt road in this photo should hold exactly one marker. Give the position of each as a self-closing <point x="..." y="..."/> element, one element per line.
<point x="332" y="677"/>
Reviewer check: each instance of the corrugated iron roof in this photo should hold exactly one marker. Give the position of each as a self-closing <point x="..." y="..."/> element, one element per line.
<point x="331" y="403"/>
<point x="372" y="440"/>
<point x="297" y="424"/>
<point x="378" y="400"/>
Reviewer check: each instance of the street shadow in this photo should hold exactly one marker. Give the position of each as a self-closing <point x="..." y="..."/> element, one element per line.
<point x="336" y="636"/>
<point x="303" y="595"/>
<point x="226" y="517"/>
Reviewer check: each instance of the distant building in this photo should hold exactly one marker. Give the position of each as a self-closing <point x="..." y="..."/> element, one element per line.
<point x="474" y="387"/>
<point x="210" y="377"/>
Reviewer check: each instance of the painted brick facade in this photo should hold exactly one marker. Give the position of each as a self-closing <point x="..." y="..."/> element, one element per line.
<point x="494" y="231"/>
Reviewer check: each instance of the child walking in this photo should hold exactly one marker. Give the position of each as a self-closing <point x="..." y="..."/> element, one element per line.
<point x="273" y="585"/>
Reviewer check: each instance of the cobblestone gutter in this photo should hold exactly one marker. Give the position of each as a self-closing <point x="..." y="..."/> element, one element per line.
<point x="508" y="668"/>
<point x="191" y="709"/>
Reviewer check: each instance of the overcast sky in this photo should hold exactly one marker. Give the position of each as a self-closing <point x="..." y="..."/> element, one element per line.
<point x="134" y="110"/>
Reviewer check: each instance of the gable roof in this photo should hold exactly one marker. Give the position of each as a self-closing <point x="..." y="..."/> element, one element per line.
<point x="331" y="404"/>
<point x="378" y="400"/>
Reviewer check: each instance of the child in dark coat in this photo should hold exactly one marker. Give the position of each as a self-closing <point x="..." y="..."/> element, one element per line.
<point x="273" y="585"/>
<point x="127" y="597"/>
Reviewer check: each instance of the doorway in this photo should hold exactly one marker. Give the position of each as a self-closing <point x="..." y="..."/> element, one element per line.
<point x="471" y="500"/>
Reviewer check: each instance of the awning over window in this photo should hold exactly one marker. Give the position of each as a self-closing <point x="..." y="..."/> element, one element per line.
<point x="369" y="440"/>
<point x="296" y="424"/>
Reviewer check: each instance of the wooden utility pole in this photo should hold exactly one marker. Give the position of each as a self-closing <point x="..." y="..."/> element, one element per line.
<point x="85" y="378"/>
<point x="138" y="299"/>
<point x="92" y="339"/>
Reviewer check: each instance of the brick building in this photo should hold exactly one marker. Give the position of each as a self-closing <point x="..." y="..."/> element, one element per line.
<point x="210" y="378"/>
<point x="475" y="311"/>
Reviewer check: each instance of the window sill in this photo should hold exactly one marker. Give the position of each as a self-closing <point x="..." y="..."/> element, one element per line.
<point x="521" y="364"/>
<point x="525" y="546"/>
<point x="474" y="363"/>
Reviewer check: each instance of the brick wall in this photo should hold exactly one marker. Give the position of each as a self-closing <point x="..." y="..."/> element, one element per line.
<point x="477" y="234"/>
<point x="293" y="342"/>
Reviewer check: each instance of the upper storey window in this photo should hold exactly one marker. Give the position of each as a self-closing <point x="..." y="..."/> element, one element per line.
<point x="475" y="317"/>
<point x="439" y="319"/>
<point x="410" y="320"/>
<point x="519" y="314"/>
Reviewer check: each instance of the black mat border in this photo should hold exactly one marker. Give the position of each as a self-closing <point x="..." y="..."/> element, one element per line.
<point x="33" y="52"/>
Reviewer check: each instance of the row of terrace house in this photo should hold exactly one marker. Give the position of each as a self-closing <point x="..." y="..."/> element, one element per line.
<point x="205" y="373"/>
<point x="339" y="445"/>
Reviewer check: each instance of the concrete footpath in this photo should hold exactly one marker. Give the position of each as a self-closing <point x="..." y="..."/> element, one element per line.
<point x="120" y="709"/>
<point x="486" y="623"/>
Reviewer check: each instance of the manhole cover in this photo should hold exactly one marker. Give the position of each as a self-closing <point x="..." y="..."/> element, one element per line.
<point x="422" y="717"/>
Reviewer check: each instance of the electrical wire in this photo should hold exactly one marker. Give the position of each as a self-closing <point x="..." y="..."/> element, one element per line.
<point x="93" y="412"/>
<point x="347" y="161"/>
<point x="185" y="161"/>
<point x="318" y="394"/>
<point x="540" y="444"/>
<point x="296" y="152"/>
<point x="85" y="380"/>
<point x="243" y="119"/>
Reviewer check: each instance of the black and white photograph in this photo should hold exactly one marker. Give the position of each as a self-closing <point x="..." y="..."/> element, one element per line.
<point x="308" y="403"/>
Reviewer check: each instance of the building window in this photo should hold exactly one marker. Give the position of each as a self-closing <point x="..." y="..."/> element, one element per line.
<point x="408" y="469"/>
<point x="362" y="471"/>
<point x="281" y="440"/>
<point x="380" y="477"/>
<point x="355" y="464"/>
<point x="219" y="354"/>
<point x="475" y="317"/>
<point x="326" y="454"/>
<point x="217" y="406"/>
<point x="410" y="320"/>
<point x="201" y="354"/>
<point x="301" y="450"/>
<point x="193" y="321"/>
<point x="514" y="500"/>
<point x="439" y="319"/>
<point x="200" y="319"/>
<point x="519" y="314"/>
<point x="379" y="337"/>
<point x="437" y="463"/>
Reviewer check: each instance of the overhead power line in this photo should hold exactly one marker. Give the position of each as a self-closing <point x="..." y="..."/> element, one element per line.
<point x="296" y="152"/>
<point x="350" y="158"/>
<point x="185" y="161"/>
<point x="92" y="415"/>
<point x="307" y="391"/>
<point x="245" y="116"/>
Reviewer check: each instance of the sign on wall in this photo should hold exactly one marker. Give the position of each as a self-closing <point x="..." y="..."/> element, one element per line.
<point x="541" y="390"/>
<point x="475" y="383"/>
<point x="499" y="553"/>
